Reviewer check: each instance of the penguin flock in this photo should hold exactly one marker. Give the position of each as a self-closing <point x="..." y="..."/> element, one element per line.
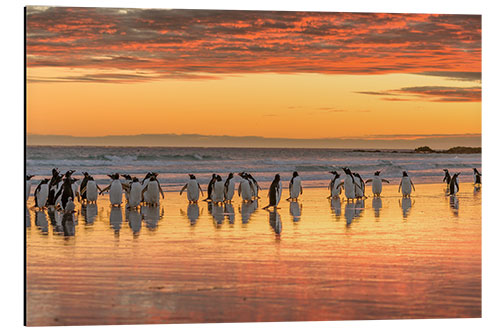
<point x="63" y="190"/>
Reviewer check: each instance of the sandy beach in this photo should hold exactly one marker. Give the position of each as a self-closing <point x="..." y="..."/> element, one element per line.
<point x="317" y="259"/>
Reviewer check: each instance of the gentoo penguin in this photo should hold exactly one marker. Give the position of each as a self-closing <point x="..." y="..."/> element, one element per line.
<point x="128" y="182"/>
<point x="41" y="193"/>
<point x="75" y="187"/>
<point x="53" y="187"/>
<point x="90" y="190"/>
<point x="65" y="192"/>
<point x="406" y="184"/>
<point x="193" y="189"/>
<point x="447" y="178"/>
<point x="145" y="182"/>
<point x="134" y="193"/>
<point x="210" y="187"/>
<point x="295" y="187"/>
<point x="152" y="191"/>
<point x="28" y="185"/>
<point x="115" y="190"/>
<point x="359" y="189"/>
<point x="255" y="185"/>
<point x="477" y="178"/>
<point x="454" y="184"/>
<point x="349" y="184"/>
<point x="377" y="183"/>
<point x="83" y="184"/>
<point x="333" y="188"/>
<point x="218" y="190"/>
<point x="245" y="189"/>
<point x="229" y="188"/>
<point x="274" y="192"/>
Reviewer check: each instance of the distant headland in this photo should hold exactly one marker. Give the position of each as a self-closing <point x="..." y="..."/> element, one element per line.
<point x="453" y="150"/>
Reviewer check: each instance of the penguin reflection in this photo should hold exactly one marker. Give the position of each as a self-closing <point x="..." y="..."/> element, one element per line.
<point x="218" y="214"/>
<point x="68" y="224"/>
<point x="247" y="209"/>
<point x="275" y="221"/>
<point x="295" y="211"/>
<point x="89" y="212"/>
<point x="55" y="218"/>
<point x="193" y="213"/>
<point x="41" y="222"/>
<point x="336" y="207"/>
<point x="377" y="205"/>
<point x="359" y="207"/>
<point x="116" y="219"/>
<point x="229" y="212"/>
<point x="405" y="204"/>
<point x="151" y="215"/>
<point x="134" y="221"/>
<point x="27" y="218"/>
<point x="454" y="204"/>
<point x="349" y="212"/>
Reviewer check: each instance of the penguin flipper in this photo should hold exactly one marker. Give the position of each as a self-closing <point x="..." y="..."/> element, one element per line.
<point x="183" y="188"/>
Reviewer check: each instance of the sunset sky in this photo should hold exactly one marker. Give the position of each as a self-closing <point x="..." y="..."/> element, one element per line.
<point x="98" y="72"/>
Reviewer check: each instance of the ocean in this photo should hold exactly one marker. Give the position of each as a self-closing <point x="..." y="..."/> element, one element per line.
<point x="175" y="163"/>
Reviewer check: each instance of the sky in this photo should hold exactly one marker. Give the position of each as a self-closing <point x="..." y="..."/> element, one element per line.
<point x="95" y="72"/>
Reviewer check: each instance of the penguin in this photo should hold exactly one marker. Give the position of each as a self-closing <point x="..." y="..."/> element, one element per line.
<point x="115" y="190"/>
<point x="145" y="195"/>
<point x="54" y="187"/>
<point x="359" y="190"/>
<point x="447" y="178"/>
<point x="65" y="192"/>
<point x="245" y="189"/>
<point x="295" y="187"/>
<point x="41" y="193"/>
<point x="477" y="177"/>
<point x="349" y="184"/>
<point x="83" y="184"/>
<point x="134" y="193"/>
<point x="229" y="188"/>
<point x="193" y="189"/>
<point x="90" y="190"/>
<point x="274" y="193"/>
<point x="376" y="183"/>
<point x="153" y="191"/>
<point x="333" y="188"/>
<point x="210" y="187"/>
<point x="406" y="185"/>
<point x="255" y="185"/>
<point x="128" y="182"/>
<point x="454" y="184"/>
<point x="75" y="187"/>
<point x="28" y="185"/>
<point x="218" y="190"/>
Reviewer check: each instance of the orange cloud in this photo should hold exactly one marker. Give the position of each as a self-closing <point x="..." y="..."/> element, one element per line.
<point x="182" y="43"/>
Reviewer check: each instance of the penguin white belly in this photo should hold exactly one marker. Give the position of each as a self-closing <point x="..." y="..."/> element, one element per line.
<point x="406" y="186"/>
<point x="75" y="187"/>
<point x="218" y="192"/>
<point x="193" y="192"/>
<point x="42" y="195"/>
<point x="295" y="190"/>
<point x="91" y="190"/>
<point x="376" y="186"/>
<point x="28" y="189"/>
<point x="153" y="192"/>
<point x="146" y="194"/>
<point x="115" y="192"/>
<point x="358" y="192"/>
<point x="230" y="190"/>
<point x="349" y="188"/>
<point x="134" y="198"/>
<point x="246" y="191"/>
<point x="278" y="195"/>
<point x="127" y="193"/>
<point x="334" y="191"/>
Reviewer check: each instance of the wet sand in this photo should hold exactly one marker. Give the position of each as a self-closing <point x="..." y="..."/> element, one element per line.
<point x="312" y="260"/>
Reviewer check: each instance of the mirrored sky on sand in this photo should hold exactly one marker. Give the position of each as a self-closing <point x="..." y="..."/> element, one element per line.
<point x="239" y="73"/>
